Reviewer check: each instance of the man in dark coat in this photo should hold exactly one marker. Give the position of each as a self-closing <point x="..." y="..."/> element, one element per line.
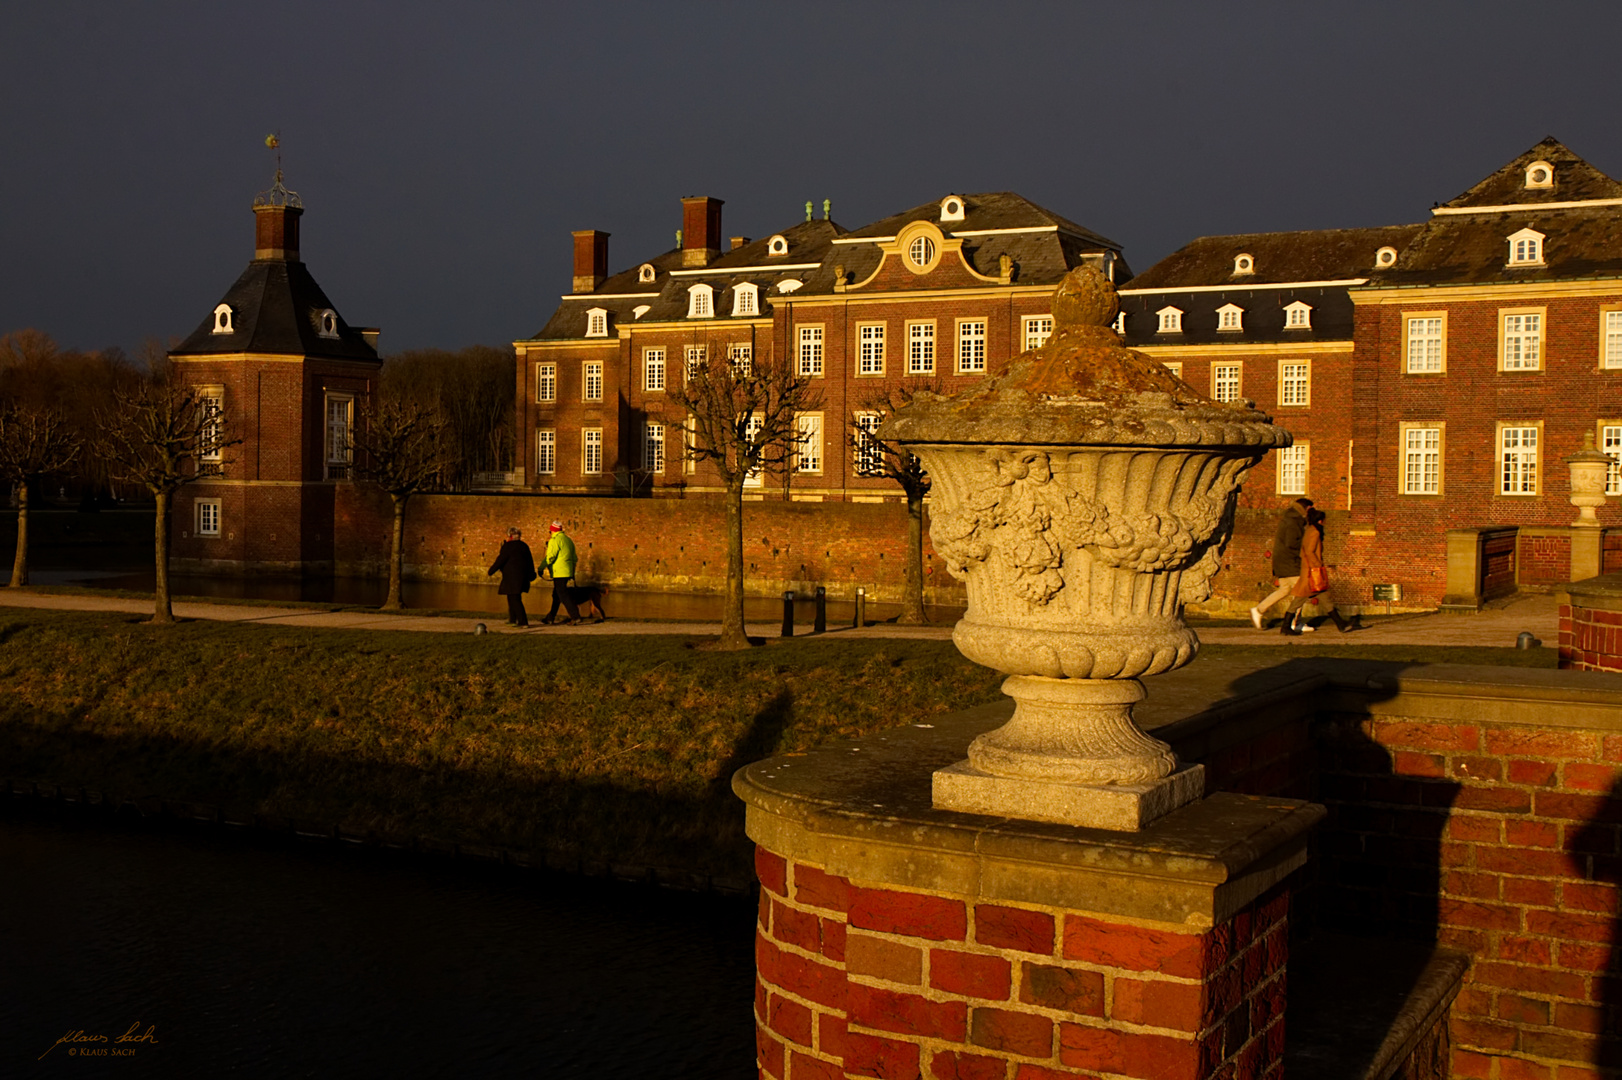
<point x="1292" y="524"/>
<point x="517" y="566"/>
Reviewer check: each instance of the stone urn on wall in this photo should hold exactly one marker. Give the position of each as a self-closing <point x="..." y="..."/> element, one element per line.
<point x="1084" y="494"/>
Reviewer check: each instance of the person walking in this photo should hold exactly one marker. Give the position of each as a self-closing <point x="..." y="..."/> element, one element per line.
<point x="559" y="562"/>
<point x="1314" y="581"/>
<point x="517" y="566"/>
<point x="1292" y="526"/>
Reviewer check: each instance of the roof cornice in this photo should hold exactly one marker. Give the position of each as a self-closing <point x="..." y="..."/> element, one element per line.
<point x="745" y="269"/>
<point x="1249" y="287"/>
<point x="1508" y="208"/>
<point x="607" y="296"/>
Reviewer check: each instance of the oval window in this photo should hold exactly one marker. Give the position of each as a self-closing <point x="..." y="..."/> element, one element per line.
<point x="921" y="251"/>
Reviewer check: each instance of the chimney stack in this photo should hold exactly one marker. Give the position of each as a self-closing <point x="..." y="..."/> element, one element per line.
<point x="590" y="259"/>
<point x="275" y="232"/>
<point x="700" y="230"/>
<point x="738" y="242"/>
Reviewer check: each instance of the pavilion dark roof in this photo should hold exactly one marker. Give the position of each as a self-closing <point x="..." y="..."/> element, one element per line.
<point x="275" y="308"/>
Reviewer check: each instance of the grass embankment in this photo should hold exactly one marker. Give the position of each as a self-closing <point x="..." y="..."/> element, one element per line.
<point x="614" y="749"/>
<point x="618" y="749"/>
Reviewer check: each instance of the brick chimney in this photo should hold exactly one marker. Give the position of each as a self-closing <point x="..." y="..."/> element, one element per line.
<point x="700" y="230"/>
<point x="275" y="232"/>
<point x="590" y="259"/>
<point x="738" y="242"/>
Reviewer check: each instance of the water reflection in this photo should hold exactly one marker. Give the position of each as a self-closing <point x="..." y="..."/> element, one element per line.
<point x="455" y="596"/>
<point x="267" y="959"/>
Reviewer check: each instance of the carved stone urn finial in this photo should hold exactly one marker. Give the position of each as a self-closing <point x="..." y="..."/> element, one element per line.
<point x="1589" y="470"/>
<point x="1084" y="494"/>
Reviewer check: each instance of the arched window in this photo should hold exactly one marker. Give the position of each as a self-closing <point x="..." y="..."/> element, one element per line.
<point x="952" y="208"/>
<point x="700" y="302"/>
<point x="1540" y="174"/>
<point x="326" y="323"/>
<point x="1244" y="264"/>
<point x="597" y="322"/>
<point x="777" y="245"/>
<point x="644" y="273"/>
<point x="222" y="320"/>
<point x="746" y="300"/>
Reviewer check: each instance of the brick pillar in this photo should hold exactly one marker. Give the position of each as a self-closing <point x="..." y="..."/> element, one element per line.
<point x="898" y="941"/>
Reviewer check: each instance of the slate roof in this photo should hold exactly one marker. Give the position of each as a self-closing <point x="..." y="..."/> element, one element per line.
<point x="1310" y="255"/>
<point x="986" y="210"/>
<point x="1574" y="179"/>
<point x="275" y="308"/>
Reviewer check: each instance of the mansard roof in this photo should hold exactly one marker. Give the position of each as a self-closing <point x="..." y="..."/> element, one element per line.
<point x="275" y="309"/>
<point x="985" y="211"/>
<point x="1574" y="180"/>
<point x="1278" y="258"/>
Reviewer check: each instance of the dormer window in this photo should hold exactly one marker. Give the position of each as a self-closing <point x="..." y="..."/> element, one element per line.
<point x="1171" y="320"/>
<point x="1526" y="248"/>
<point x="1540" y="174"/>
<point x="326" y="323"/>
<point x="788" y="285"/>
<point x="1298" y="316"/>
<point x="1120" y="323"/>
<point x="597" y="322"/>
<point x="641" y="310"/>
<point x="777" y="245"/>
<point x="746" y="300"/>
<point x="1385" y="258"/>
<point x="952" y="208"/>
<point x="222" y="320"/>
<point x="700" y="302"/>
<point x="644" y="273"/>
<point x="1231" y="318"/>
<point x="1244" y="264"/>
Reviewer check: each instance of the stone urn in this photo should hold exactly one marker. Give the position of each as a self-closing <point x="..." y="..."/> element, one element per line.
<point x="1084" y="494"/>
<point x="1589" y="470"/>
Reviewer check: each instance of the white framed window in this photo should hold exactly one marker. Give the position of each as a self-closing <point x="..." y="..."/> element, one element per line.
<point x="207" y="515"/>
<point x="1173" y="366"/>
<point x="745" y="300"/>
<point x="700" y="302"/>
<point x="921" y="252"/>
<point x="1171" y="320"/>
<point x="211" y="401"/>
<point x="222" y="319"/>
<point x="971" y="346"/>
<point x="1036" y="330"/>
<point x="546" y="382"/>
<point x="952" y="208"/>
<point x="1427" y="343"/>
<point x="1295" y="382"/>
<point x="653" y="369"/>
<point x="591" y="381"/>
<point x="1230" y="318"/>
<point x="340" y="444"/>
<point x="1385" y="258"/>
<point x="644" y="273"/>
<point x="741" y="357"/>
<point x="641" y="310"/>
<point x="756" y="476"/>
<point x="546" y="452"/>
<point x="811" y="350"/>
<point x="326" y="323"/>
<point x="1540" y="174"/>
<point x="697" y="357"/>
<point x="808" y="442"/>
<point x="1119" y="325"/>
<point x="777" y="245"/>
<point x="1421" y="459"/>
<point x="591" y="451"/>
<point x="1298" y="316"/>
<point x="870" y="348"/>
<point x="1292" y="470"/>
<point x="1517" y="459"/>
<point x="653" y="447"/>
<point x="1610" y="337"/>
<point x="869" y="455"/>
<point x="1225" y="382"/>
<point x="596" y="322"/>
<point x="1521" y="340"/>
<point x="921" y="348"/>
<point x="1526" y="248"/>
<point x="1244" y="264"/>
<point x="1610" y="441"/>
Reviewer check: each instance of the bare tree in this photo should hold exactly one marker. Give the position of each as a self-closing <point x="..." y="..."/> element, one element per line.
<point x="743" y="415"/>
<point x="877" y="457"/>
<point x="403" y="450"/>
<point x="34" y="443"/>
<point x="473" y="390"/>
<point x="162" y="434"/>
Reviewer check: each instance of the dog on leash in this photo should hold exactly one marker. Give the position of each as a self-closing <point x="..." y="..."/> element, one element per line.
<point x="588" y="600"/>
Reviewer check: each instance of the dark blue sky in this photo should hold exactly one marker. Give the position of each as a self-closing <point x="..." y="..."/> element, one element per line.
<point x="444" y="152"/>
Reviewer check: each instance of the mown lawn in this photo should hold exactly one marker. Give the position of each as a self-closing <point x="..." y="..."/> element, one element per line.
<point x="613" y="748"/>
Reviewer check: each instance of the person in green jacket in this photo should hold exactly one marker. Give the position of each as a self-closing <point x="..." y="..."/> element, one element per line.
<point x="559" y="562"/>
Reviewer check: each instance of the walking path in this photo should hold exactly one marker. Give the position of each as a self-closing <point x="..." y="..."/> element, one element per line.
<point x="1497" y="626"/>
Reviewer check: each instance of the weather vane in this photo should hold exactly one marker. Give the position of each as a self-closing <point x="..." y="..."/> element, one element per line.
<point x="278" y="195"/>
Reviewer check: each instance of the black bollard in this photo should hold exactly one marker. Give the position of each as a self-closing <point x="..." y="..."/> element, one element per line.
<point x="788" y="614"/>
<point x="821" y="625"/>
<point x="861" y="606"/>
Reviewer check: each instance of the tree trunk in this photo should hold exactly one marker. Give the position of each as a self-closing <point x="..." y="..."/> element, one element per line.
<point x="732" y="628"/>
<point x="912" y="589"/>
<point x="19" y="568"/>
<point x="396" y="554"/>
<point x="163" y="611"/>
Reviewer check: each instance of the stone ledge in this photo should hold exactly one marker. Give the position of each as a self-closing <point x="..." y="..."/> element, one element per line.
<point x="1121" y="807"/>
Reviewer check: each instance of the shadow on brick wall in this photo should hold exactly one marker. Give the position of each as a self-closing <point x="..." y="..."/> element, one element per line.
<point x="1596" y="854"/>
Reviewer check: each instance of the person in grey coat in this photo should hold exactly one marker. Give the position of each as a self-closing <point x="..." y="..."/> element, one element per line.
<point x="517" y="565"/>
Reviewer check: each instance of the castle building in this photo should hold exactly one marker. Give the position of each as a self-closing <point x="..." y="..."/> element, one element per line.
<point x="1435" y="375"/>
<point x="940" y="292"/>
<point x="286" y="372"/>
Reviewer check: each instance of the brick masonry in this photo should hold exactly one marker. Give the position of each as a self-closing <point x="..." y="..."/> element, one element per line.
<point x="862" y="980"/>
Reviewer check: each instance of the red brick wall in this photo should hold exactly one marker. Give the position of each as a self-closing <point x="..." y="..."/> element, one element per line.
<point x="877" y="982"/>
<point x="1590" y="639"/>
<point x="1499" y="840"/>
<point x="1544" y="559"/>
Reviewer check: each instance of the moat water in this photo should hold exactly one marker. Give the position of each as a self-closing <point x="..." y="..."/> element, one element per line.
<point x="233" y="956"/>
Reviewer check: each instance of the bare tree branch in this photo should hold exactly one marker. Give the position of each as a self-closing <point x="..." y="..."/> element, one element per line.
<point x="34" y="443"/>
<point x="875" y="456"/>
<point x="403" y="450"/>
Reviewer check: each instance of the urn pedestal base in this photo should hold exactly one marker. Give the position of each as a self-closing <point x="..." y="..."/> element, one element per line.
<point x="1121" y="807"/>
